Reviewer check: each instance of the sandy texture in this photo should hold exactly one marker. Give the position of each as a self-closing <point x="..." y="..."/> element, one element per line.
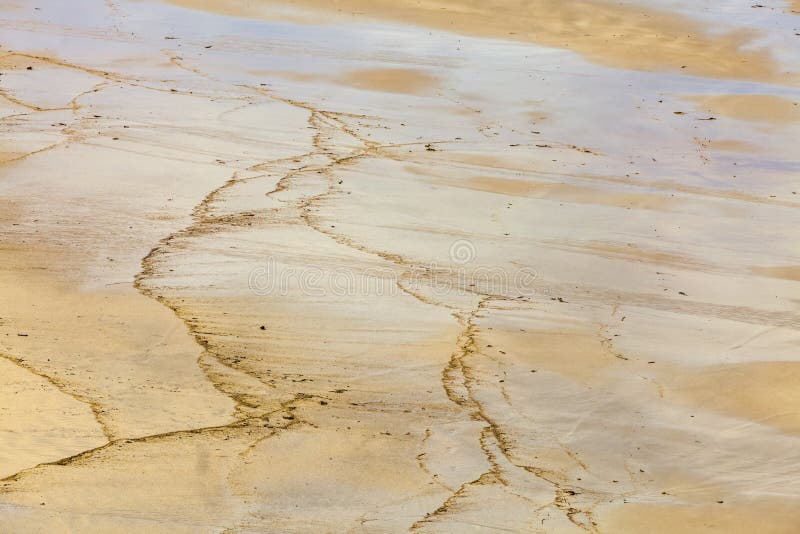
<point x="391" y="80"/>
<point x="294" y="270"/>
<point x="610" y="33"/>
<point x="753" y="108"/>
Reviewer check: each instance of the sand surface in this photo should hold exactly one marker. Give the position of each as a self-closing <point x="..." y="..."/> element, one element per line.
<point x="399" y="266"/>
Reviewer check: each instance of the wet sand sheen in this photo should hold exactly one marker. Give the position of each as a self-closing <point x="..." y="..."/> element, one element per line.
<point x="627" y="37"/>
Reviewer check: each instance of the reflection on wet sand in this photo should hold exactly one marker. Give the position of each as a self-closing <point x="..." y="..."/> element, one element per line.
<point x="614" y="34"/>
<point x="267" y="267"/>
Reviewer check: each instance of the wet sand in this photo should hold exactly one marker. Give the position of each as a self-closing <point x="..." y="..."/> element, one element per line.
<point x="626" y="36"/>
<point x="399" y="266"/>
<point x="750" y="108"/>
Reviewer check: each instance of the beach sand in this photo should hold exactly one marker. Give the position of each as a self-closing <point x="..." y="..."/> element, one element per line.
<point x="399" y="266"/>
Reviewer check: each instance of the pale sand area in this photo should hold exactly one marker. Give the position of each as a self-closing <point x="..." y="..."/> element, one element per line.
<point x="278" y="268"/>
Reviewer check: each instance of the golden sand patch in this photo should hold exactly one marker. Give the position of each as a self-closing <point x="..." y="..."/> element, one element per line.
<point x="762" y="392"/>
<point x="569" y="193"/>
<point x="406" y="81"/>
<point x="69" y="334"/>
<point x="388" y="80"/>
<point x="603" y="31"/>
<point x="786" y="272"/>
<point x="732" y="145"/>
<point x="732" y="518"/>
<point x="572" y="352"/>
<point x="39" y="422"/>
<point x="752" y="108"/>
